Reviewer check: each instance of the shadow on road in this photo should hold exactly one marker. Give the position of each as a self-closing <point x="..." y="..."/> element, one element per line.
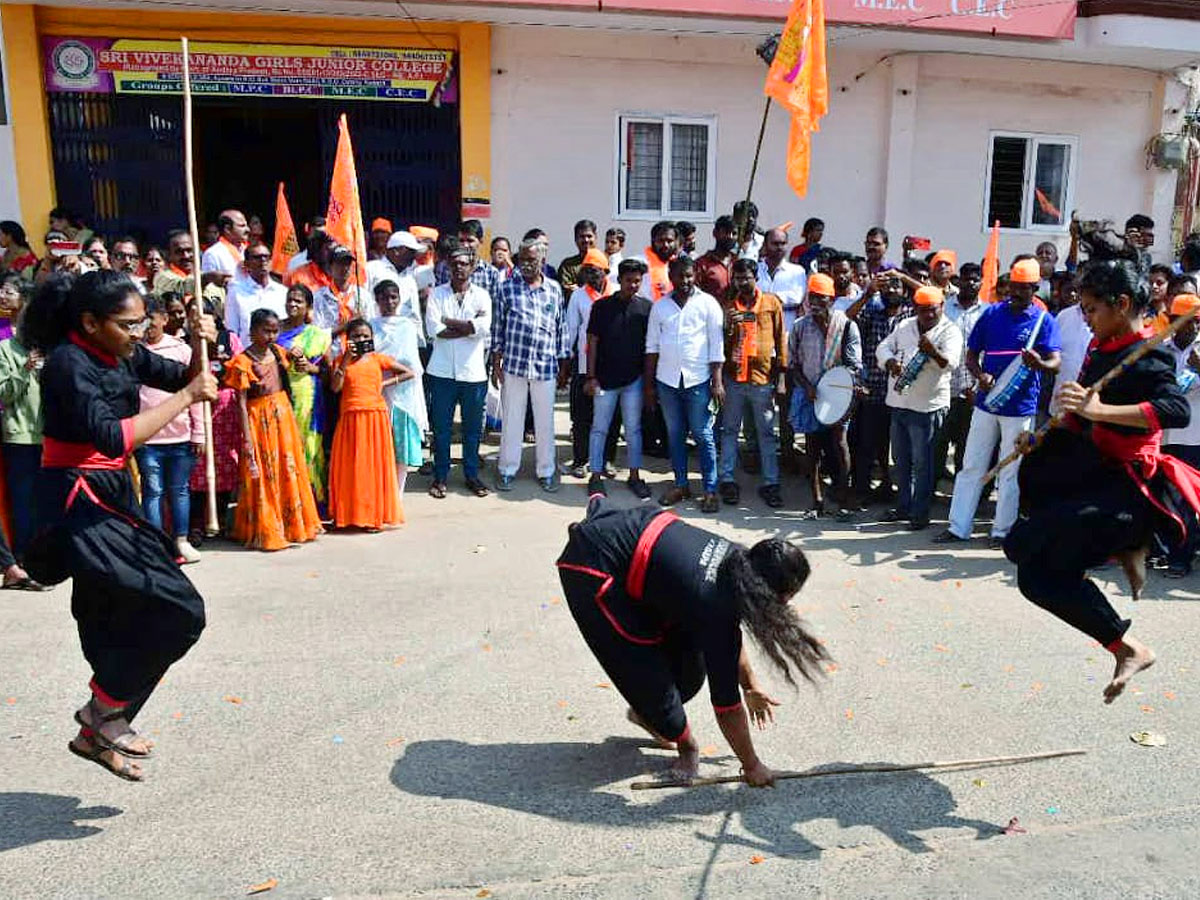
<point x="567" y="781"/>
<point x="32" y="818"/>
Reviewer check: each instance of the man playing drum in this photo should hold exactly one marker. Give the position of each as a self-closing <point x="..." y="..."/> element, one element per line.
<point x="920" y="354"/>
<point x="823" y="340"/>
<point x="1012" y="344"/>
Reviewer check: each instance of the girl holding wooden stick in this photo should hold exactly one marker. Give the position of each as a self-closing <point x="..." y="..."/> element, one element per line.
<point x="1100" y="486"/>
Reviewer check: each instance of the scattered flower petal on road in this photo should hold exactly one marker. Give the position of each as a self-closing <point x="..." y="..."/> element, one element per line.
<point x="882" y="661"/>
<point x="484" y="892"/>
<point x="395" y="742"/>
<point x="1148" y="739"/>
<point x="1147" y="709"/>
<point x="1168" y="695"/>
<point x="177" y="715"/>
<point x="603" y="684"/>
<point x="231" y="698"/>
<point x="398" y="661"/>
<point x="850" y="715"/>
<point x="756" y="859"/>
<point x="486" y="648"/>
<point x="710" y="750"/>
<point x="831" y="667"/>
<point x="269" y="885"/>
<point x="941" y="648"/>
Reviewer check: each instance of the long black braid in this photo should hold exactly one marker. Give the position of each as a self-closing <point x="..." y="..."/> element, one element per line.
<point x="762" y="580"/>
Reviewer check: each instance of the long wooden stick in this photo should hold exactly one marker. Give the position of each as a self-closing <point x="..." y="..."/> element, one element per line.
<point x="866" y="769"/>
<point x="211" y="525"/>
<point x="1115" y="372"/>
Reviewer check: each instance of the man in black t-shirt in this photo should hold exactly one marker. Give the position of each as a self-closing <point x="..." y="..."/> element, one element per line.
<point x="616" y="351"/>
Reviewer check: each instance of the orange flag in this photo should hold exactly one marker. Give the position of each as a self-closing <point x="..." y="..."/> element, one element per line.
<point x="798" y="81"/>
<point x="991" y="266"/>
<point x="344" y="220"/>
<point x="285" y="245"/>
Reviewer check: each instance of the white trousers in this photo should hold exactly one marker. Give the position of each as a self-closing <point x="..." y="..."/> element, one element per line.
<point x="986" y="430"/>
<point x="513" y="395"/>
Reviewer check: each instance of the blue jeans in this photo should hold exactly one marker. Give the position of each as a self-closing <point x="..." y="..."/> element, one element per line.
<point x="912" y="444"/>
<point x="470" y="396"/>
<point x="165" y="469"/>
<point x="603" y="408"/>
<point x="686" y="409"/>
<point x="759" y="401"/>
<point x="21" y="465"/>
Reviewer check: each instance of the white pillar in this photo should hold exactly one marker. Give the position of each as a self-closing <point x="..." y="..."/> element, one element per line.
<point x="897" y="202"/>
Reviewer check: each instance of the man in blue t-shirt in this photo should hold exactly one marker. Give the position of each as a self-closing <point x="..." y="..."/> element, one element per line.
<point x="1016" y="328"/>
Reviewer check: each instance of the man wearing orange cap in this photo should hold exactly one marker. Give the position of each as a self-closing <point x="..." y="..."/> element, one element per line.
<point x="819" y="341"/>
<point x="1184" y="443"/>
<point x="592" y="275"/>
<point x="942" y="268"/>
<point x="920" y="355"/>
<point x="1014" y="329"/>
<point x="381" y="230"/>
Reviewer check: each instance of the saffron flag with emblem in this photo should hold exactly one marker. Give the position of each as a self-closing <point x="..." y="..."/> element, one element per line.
<point x="991" y="266"/>
<point x="285" y="245"/>
<point x="344" y="220"/>
<point x="797" y="80"/>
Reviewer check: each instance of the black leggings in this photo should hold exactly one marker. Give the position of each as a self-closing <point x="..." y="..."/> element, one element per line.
<point x="656" y="679"/>
<point x="1054" y="549"/>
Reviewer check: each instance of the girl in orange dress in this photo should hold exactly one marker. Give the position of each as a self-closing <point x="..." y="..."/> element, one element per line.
<point x="275" y="502"/>
<point x="362" y="469"/>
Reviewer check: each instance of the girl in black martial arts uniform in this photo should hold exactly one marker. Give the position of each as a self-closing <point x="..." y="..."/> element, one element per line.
<point x="136" y="611"/>
<point x="1100" y="486"/>
<point x="660" y="603"/>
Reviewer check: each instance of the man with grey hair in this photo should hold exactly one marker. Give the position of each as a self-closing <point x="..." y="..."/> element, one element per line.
<point x="530" y="346"/>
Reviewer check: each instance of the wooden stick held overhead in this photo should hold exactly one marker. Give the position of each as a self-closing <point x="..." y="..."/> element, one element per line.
<point x="867" y="769"/>
<point x="211" y="526"/>
<point x="1112" y="374"/>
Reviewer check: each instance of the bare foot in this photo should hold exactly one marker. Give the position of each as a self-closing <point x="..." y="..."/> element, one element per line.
<point x="687" y="766"/>
<point x="1134" y="564"/>
<point x="661" y="742"/>
<point x="1132" y="657"/>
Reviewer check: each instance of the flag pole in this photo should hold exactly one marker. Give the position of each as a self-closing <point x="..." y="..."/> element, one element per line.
<point x="211" y="525"/>
<point x="743" y="236"/>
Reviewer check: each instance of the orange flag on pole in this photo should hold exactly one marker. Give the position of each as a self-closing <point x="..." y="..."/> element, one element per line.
<point x="344" y="219"/>
<point x="285" y="245"/>
<point x="991" y="266"/>
<point x="798" y="81"/>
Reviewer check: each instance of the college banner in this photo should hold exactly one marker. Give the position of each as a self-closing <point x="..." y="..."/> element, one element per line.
<point x="126" y="66"/>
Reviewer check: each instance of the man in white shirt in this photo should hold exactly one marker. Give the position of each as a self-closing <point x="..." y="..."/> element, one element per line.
<point x="1184" y="443"/>
<point x="396" y="266"/>
<point x="964" y="310"/>
<point x="685" y="349"/>
<point x="1076" y="337"/>
<point x="777" y="276"/>
<point x="458" y="320"/>
<point x="920" y="355"/>
<point x="252" y="289"/>
<point x="339" y="301"/>
<point x="226" y="254"/>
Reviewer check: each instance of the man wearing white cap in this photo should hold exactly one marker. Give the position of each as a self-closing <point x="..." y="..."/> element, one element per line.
<point x="397" y="265"/>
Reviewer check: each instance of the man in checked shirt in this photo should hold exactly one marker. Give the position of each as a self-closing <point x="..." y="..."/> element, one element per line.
<point x="531" y="347"/>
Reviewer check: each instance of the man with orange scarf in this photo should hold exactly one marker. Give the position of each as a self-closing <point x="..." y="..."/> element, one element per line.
<point x="225" y="256"/>
<point x="755" y="354"/>
<point x="664" y="246"/>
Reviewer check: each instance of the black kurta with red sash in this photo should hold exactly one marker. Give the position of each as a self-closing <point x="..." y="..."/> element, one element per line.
<point x="136" y="611"/>
<point x="1092" y="490"/>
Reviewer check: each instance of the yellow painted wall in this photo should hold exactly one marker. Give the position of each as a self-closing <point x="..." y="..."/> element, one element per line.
<point x="24" y="24"/>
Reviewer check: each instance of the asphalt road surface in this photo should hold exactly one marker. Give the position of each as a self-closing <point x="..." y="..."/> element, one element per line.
<point x="413" y="714"/>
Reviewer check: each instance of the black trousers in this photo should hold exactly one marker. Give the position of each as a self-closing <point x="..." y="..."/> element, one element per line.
<point x="953" y="431"/>
<point x="1054" y="548"/>
<point x="869" y="442"/>
<point x="583" y="409"/>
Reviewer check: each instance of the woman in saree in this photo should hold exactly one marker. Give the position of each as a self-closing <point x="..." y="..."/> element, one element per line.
<point x="307" y="345"/>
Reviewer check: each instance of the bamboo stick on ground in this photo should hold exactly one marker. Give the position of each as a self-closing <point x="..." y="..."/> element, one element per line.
<point x="868" y="769"/>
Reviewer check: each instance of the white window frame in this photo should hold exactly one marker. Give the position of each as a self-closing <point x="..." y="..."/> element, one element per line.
<point x="621" y="213"/>
<point x="1028" y="197"/>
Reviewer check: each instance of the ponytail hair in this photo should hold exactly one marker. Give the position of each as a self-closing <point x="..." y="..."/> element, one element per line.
<point x="60" y="302"/>
<point x="761" y="580"/>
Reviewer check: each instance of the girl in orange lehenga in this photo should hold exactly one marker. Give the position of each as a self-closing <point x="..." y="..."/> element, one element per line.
<point x="275" y="501"/>
<point x="362" y="470"/>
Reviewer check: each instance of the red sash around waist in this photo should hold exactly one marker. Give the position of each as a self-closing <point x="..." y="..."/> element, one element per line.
<point x="58" y="454"/>
<point x="635" y="581"/>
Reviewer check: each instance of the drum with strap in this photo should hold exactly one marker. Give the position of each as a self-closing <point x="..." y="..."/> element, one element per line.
<point x="1015" y="376"/>
<point x="835" y="396"/>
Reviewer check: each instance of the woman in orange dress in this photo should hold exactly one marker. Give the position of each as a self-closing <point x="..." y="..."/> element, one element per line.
<point x="275" y="505"/>
<point x="363" y="491"/>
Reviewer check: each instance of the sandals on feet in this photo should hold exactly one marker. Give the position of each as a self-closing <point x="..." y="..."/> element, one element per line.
<point x="477" y="487"/>
<point x="437" y="490"/>
<point x="124" y="769"/>
<point x="22" y="584"/>
<point x="122" y="742"/>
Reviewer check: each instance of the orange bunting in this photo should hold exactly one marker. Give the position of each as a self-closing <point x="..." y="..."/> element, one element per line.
<point x="343" y="219"/>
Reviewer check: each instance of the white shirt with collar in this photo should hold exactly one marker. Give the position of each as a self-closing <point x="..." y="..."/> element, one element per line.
<point x="462" y="358"/>
<point x="579" y="313"/>
<point x="930" y="391"/>
<point x="410" y="299"/>
<point x="327" y="309"/>
<point x="789" y="284"/>
<point x="220" y="257"/>
<point x="244" y="295"/>
<point x="687" y="339"/>
<point x="1189" y="436"/>
<point x="1076" y="337"/>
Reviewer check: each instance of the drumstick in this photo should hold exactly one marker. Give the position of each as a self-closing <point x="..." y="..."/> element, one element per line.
<point x="869" y="768"/>
<point x="211" y="525"/>
<point x="1115" y="372"/>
